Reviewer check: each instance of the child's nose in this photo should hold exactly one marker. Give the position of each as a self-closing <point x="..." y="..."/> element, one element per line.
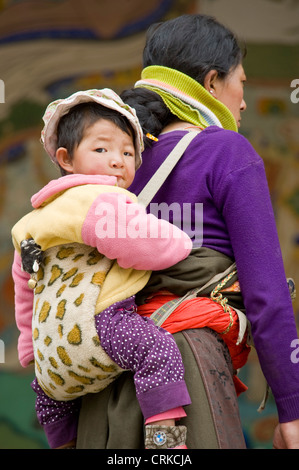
<point x="117" y="161"/>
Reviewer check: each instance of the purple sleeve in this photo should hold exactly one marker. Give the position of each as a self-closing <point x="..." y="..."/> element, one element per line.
<point x="59" y="419"/>
<point x="244" y="200"/>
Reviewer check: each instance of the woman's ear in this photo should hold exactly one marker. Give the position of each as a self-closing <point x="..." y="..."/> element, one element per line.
<point x="210" y="82"/>
<point x="64" y="159"/>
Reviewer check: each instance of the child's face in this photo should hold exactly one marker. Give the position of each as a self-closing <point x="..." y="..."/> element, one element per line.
<point x="104" y="150"/>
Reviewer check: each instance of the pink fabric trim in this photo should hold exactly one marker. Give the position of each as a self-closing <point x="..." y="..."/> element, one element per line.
<point x="175" y="413"/>
<point x="69" y="181"/>
<point x="23" y="311"/>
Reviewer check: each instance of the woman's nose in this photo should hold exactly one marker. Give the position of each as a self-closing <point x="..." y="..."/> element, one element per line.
<point x="243" y="105"/>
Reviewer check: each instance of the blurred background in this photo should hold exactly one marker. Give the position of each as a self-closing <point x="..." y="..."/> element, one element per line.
<point x="51" y="48"/>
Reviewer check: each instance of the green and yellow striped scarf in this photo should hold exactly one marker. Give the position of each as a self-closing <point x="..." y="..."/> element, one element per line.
<point x="186" y="98"/>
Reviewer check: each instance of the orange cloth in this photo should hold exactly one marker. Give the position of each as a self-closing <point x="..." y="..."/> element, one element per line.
<point x="203" y="312"/>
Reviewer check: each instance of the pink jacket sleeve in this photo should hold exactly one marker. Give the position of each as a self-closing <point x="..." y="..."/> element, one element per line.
<point x="23" y="311"/>
<point x="122" y="230"/>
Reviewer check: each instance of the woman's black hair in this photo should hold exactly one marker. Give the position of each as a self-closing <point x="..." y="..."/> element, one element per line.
<point x="71" y="127"/>
<point x="191" y="44"/>
<point x="194" y="45"/>
<point x="151" y="111"/>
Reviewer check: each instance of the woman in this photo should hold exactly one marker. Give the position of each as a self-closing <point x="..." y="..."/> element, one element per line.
<point x="193" y="77"/>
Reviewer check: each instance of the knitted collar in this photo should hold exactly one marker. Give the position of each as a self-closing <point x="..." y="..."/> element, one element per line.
<point x="186" y="98"/>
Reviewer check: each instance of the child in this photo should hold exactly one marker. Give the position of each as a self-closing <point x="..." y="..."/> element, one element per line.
<point x="85" y="331"/>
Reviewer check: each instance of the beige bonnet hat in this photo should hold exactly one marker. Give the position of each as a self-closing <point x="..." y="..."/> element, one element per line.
<point x="106" y="97"/>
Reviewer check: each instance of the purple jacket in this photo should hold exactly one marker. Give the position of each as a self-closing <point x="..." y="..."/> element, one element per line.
<point x="222" y="171"/>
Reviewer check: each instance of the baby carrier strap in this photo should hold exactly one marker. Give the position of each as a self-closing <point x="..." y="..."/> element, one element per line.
<point x="158" y="178"/>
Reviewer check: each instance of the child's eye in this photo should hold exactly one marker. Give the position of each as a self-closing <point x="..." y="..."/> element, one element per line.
<point x="101" y="150"/>
<point x="129" y="154"/>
